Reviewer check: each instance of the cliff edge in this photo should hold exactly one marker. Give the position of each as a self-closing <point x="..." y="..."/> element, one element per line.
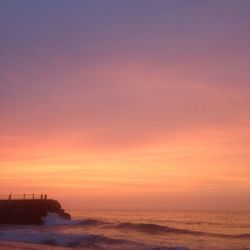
<point x="25" y="212"/>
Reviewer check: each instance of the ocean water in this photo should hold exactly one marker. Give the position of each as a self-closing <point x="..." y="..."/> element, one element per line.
<point x="142" y="230"/>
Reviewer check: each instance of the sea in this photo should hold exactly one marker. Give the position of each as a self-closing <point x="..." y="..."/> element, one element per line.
<point x="136" y="229"/>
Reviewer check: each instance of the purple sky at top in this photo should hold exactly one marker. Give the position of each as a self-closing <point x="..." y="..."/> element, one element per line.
<point x="162" y="64"/>
<point x="46" y="43"/>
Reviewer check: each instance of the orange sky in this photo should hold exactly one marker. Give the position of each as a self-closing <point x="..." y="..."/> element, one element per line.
<point x="147" y="111"/>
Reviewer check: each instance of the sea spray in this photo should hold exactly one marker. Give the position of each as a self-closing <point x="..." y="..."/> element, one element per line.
<point x="54" y="219"/>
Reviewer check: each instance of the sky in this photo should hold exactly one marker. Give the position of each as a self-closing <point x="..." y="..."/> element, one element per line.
<point x="126" y="104"/>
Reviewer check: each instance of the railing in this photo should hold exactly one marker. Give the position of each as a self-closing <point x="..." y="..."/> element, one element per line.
<point x="24" y="197"/>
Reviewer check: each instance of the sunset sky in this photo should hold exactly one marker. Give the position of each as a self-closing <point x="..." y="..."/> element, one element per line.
<point x="126" y="104"/>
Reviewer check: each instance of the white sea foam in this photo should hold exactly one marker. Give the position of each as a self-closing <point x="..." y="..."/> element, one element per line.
<point x="73" y="240"/>
<point x="32" y="236"/>
<point x="54" y="219"/>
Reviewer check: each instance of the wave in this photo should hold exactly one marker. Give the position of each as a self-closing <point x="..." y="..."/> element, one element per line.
<point x="154" y="228"/>
<point x="158" y="229"/>
<point x="53" y="219"/>
<point x="93" y="222"/>
<point x="207" y="223"/>
<point x="86" y="241"/>
<point x="214" y="224"/>
<point x="193" y="222"/>
<point x="242" y="236"/>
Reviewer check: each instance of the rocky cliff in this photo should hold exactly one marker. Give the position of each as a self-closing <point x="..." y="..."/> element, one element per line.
<point x="24" y="212"/>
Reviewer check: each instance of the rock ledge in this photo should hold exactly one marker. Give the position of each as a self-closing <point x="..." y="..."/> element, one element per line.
<point x="25" y="212"/>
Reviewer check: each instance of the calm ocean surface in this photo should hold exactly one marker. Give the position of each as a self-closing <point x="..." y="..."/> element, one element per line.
<point x="155" y="230"/>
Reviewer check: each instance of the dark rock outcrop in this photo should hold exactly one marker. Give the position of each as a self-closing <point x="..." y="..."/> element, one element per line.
<point x="24" y="212"/>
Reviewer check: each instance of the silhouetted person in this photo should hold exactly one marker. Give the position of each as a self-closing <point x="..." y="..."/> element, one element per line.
<point x="10" y="196"/>
<point x="41" y="196"/>
<point x="45" y="197"/>
<point x="24" y="196"/>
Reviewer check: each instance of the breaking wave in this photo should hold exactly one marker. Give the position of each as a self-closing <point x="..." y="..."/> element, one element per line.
<point x="53" y="238"/>
<point x="76" y="240"/>
<point x="53" y="219"/>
